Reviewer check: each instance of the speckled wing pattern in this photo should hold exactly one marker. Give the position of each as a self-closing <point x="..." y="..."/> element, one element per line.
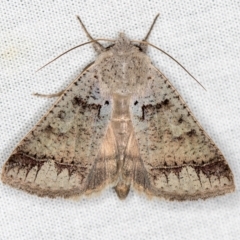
<point x="121" y="123"/>
<point x="68" y="151"/>
<point x="177" y="159"/>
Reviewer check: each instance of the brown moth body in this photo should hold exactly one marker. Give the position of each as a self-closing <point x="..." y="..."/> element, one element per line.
<point x="120" y="123"/>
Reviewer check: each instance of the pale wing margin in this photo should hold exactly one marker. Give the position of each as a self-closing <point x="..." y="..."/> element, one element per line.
<point x="71" y="151"/>
<point x="177" y="159"/>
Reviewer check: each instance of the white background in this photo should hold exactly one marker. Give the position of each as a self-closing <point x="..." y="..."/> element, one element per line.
<point x="203" y="35"/>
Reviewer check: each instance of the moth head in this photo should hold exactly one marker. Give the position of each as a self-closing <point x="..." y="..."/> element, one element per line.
<point x="122" y="45"/>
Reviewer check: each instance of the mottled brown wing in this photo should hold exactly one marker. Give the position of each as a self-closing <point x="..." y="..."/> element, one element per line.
<point x="177" y="159"/>
<point x="72" y="150"/>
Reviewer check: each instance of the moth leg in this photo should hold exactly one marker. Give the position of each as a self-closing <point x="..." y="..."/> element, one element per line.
<point x="144" y="46"/>
<point x="49" y="95"/>
<point x="61" y="92"/>
<point x="96" y="45"/>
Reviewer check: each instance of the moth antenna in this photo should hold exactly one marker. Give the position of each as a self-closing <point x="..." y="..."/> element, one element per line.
<point x="99" y="39"/>
<point x="149" y="31"/>
<point x="144" y="46"/>
<point x="172" y="59"/>
<point x="96" y="45"/>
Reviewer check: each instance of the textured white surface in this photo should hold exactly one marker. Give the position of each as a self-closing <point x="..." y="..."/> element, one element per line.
<point x="202" y="35"/>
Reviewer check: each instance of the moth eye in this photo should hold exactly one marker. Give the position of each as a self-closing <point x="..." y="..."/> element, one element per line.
<point x="107" y="103"/>
<point x="135" y="103"/>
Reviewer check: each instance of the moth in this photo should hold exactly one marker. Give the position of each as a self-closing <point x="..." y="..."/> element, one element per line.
<point x="121" y="123"/>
